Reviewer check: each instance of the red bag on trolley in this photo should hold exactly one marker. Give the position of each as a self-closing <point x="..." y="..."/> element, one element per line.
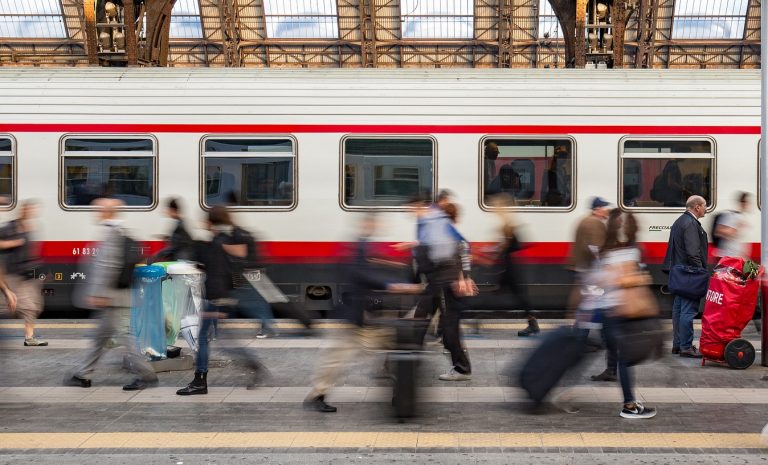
<point x="730" y="304"/>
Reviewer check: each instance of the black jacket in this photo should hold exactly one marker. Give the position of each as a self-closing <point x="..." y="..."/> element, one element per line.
<point x="179" y="247"/>
<point x="687" y="243"/>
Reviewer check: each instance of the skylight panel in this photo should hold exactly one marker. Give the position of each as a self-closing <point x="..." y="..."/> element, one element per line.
<point x="549" y="26"/>
<point x="437" y="19"/>
<point x="301" y="19"/>
<point x="185" y="20"/>
<point x="709" y="19"/>
<point x="31" y="19"/>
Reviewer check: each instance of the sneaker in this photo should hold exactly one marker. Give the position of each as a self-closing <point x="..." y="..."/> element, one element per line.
<point x="638" y="411"/>
<point x="139" y="384"/>
<point x="35" y="342"/>
<point x="454" y="375"/>
<point x="266" y="334"/>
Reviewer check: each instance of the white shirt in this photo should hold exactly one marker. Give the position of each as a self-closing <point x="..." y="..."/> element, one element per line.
<point x="735" y="246"/>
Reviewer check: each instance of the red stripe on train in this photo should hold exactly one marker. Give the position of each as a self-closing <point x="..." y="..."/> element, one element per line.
<point x="376" y="128"/>
<point x="332" y="252"/>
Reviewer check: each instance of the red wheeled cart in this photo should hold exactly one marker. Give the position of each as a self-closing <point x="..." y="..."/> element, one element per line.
<point x="730" y="305"/>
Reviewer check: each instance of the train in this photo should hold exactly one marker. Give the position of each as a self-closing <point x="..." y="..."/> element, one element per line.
<point x="304" y="152"/>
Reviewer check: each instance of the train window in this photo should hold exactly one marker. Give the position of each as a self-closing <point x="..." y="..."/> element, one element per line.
<point x="249" y="173"/>
<point x="533" y="172"/>
<point x="664" y="173"/>
<point x="6" y="172"/>
<point x="124" y="168"/>
<point x="386" y="172"/>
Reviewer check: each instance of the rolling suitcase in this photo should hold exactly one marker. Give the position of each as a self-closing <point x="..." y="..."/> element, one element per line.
<point x="557" y="353"/>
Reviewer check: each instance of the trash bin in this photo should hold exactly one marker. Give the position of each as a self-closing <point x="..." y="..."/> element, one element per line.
<point x="183" y="302"/>
<point x="147" y="321"/>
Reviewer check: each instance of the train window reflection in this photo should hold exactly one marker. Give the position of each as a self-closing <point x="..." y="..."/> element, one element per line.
<point x="534" y="172"/>
<point x="122" y="168"/>
<point x="386" y="172"/>
<point x="664" y="173"/>
<point x="263" y="179"/>
<point x="6" y="172"/>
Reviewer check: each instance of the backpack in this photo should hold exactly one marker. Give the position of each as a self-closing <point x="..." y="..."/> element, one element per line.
<point x="131" y="257"/>
<point x="717" y="240"/>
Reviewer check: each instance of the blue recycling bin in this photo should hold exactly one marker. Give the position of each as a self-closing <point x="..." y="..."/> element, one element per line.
<point x="147" y="317"/>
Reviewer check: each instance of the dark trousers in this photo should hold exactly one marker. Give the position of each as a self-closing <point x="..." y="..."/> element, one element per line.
<point x="450" y="308"/>
<point x="611" y="332"/>
<point x="512" y="279"/>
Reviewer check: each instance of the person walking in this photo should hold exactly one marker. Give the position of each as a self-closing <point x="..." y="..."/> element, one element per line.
<point x="512" y="278"/>
<point x="687" y="246"/>
<point x="589" y="237"/>
<point x="730" y="228"/>
<point x="21" y="259"/>
<point x="180" y="244"/>
<point x="103" y="292"/>
<point x="618" y="260"/>
<point x="364" y="280"/>
<point x="215" y="258"/>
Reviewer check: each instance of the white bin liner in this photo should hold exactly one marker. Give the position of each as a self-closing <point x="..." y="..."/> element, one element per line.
<point x="183" y="302"/>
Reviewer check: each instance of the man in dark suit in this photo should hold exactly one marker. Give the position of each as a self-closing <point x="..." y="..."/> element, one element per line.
<point x="687" y="246"/>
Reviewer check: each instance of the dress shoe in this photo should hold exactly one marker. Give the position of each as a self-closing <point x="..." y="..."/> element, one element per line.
<point x="607" y="375"/>
<point x="139" y="384"/>
<point x="675" y="350"/>
<point x="690" y="353"/>
<point x="318" y="404"/>
<point x="78" y="381"/>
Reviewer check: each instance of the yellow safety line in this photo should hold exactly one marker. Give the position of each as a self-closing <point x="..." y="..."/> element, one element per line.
<point x="380" y="440"/>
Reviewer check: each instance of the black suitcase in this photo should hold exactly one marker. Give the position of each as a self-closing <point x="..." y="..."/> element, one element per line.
<point x="558" y="352"/>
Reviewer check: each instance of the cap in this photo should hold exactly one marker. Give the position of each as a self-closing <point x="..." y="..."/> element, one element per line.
<point x="599" y="202"/>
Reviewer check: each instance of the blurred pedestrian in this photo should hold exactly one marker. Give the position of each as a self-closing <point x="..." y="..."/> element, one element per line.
<point x="589" y="237"/>
<point x="244" y="269"/>
<point x="618" y="262"/>
<point x="364" y="279"/>
<point x="512" y="275"/>
<point x="626" y="224"/>
<point x="443" y="255"/>
<point x="180" y="245"/>
<point x="21" y="258"/>
<point x="729" y="230"/>
<point x="215" y="258"/>
<point x="103" y="292"/>
<point x="687" y="246"/>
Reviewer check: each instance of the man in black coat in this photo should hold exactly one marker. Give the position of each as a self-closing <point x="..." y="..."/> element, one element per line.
<point x="687" y="246"/>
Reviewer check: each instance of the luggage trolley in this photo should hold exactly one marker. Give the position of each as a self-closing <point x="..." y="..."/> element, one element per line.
<point x="730" y="304"/>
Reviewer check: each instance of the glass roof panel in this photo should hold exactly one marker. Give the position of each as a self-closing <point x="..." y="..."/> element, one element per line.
<point x="29" y="19"/>
<point x="301" y="19"/>
<point x="549" y="26"/>
<point x="709" y="19"/>
<point x="185" y="20"/>
<point x="437" y="19"/>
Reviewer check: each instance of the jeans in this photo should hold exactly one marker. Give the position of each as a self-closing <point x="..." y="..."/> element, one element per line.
<point x="683" y="312"/>
<point x="253" y="305"/>
<point x="611" y="331"/>
<point x="203" y="350"/>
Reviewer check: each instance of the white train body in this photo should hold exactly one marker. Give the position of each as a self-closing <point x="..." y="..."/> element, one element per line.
<point x="318" y="110"/>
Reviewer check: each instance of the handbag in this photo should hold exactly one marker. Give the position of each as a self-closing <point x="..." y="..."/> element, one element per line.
<point x="636" y="302"/>
<point x="688" y="281"/>
<point x="639" y="340"/>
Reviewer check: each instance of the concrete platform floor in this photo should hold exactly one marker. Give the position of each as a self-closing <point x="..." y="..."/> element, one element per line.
<point x="706" y="414"/>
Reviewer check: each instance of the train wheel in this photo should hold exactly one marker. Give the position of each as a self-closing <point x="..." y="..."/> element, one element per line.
<point x="739" y="354"/>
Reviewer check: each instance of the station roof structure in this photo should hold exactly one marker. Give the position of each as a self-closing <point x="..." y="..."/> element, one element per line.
<point x="387" y="33"/>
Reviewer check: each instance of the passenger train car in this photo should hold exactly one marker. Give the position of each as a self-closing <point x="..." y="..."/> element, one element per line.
<point x="304" y="152"/>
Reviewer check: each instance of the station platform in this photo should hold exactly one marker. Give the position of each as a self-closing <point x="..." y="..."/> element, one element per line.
<point x="709" y="414"/>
